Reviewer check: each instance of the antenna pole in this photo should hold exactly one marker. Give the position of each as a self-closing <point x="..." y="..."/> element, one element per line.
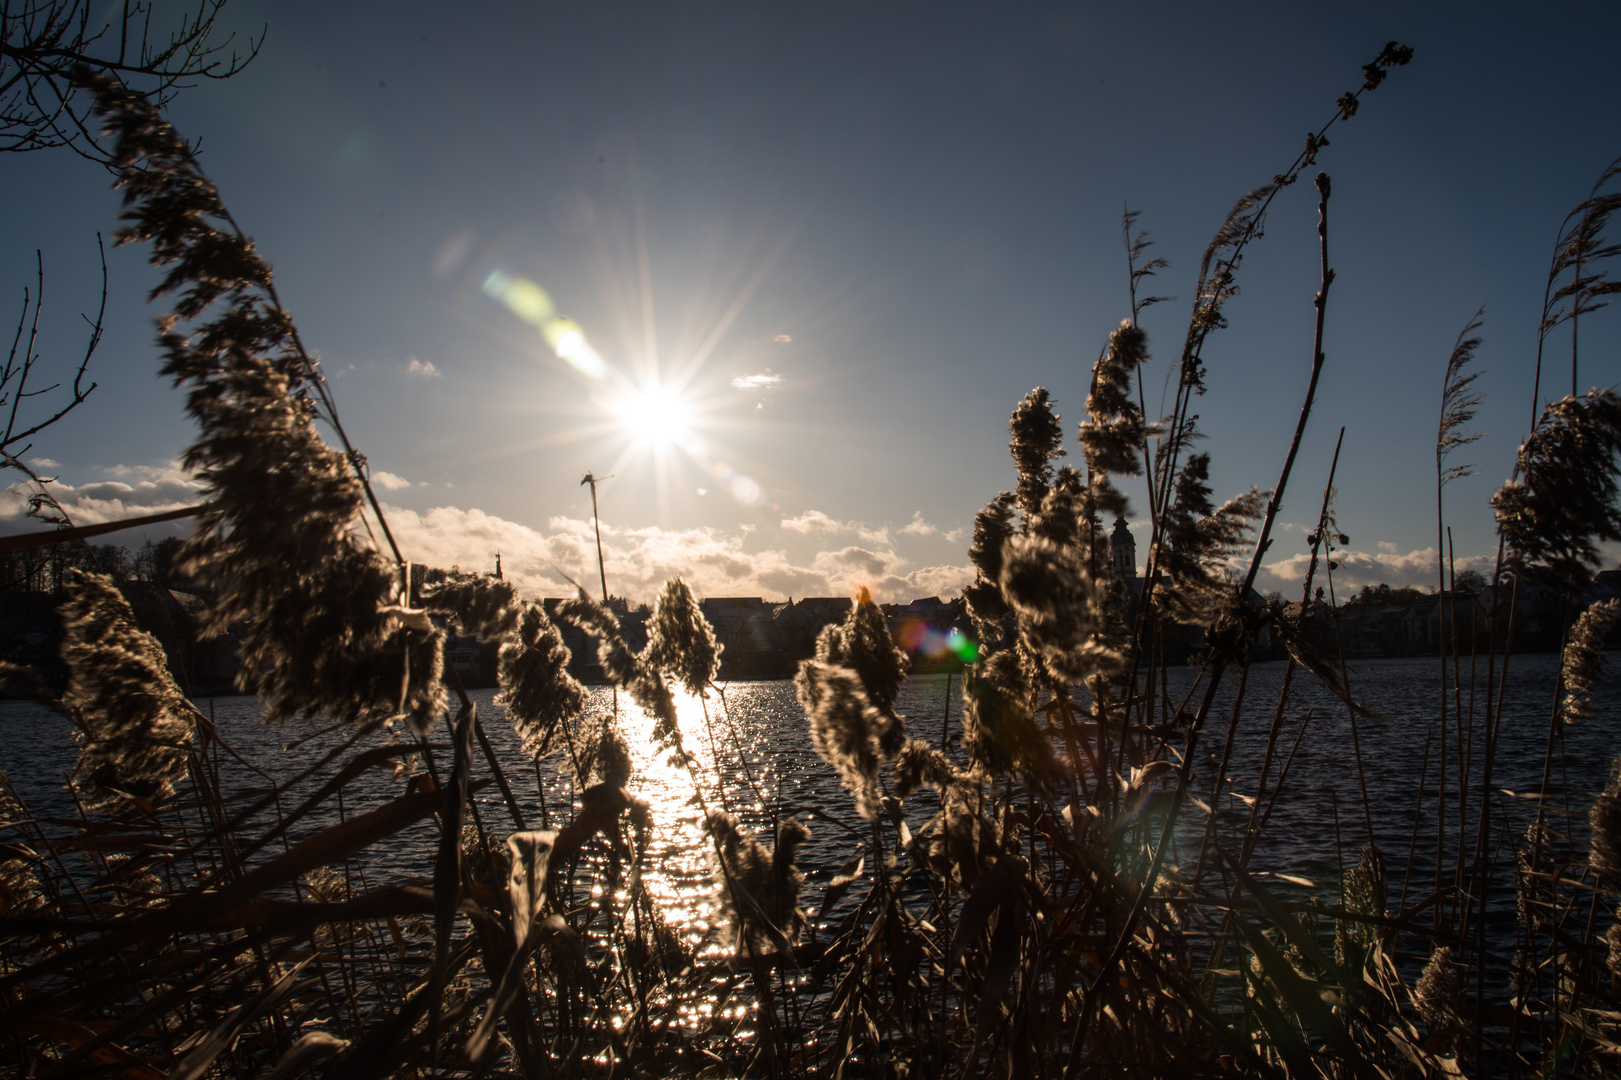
<point x="596" y="522"/>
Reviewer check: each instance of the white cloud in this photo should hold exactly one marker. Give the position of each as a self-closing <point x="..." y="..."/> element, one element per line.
<point x="813" y="521"/>
<point x="423" y="368"/>
<point x="640" y="560"/>
<point x="1359" y="568"/>
<point x="137" y="490"/>
<point x="44" y="463"/>
<point x="917" y="526"/>
<point x="542" y="561"/>
<point x="763" y="381"/>
<point x="857" y="560"/>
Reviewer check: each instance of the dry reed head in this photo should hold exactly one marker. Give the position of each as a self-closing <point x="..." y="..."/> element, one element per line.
<point x="538" y="693"/>
<point x="1114" y="433"/>
<point x="483" y="607"/>
<point x="22" y="891"/>
<point x="1438" y="996"/>
<point x="845" y="729"/>
<point x="920" y="765"/>
<point x="993" y="525"/>
<point x="1064" y="510"/>
<point x="1363" y="892"/>
<point x="275" y="544"/>
<point x="1535" y="863"/>
<point x="1036" y="438"/>
<point x="1060" y="605"/>
<point x="1000" y="733"/>
<point x="601" y="755"/>
<point x="863" y="644"/>
<point x="1583" y="662"/>
<point x="1458" y="403"/>
<point x="1564" y="498"/>
<point x="135" y="725"/>
<point x="1199" y="540"/>
<point x="680" y="639"/>
<point x="1583" y="253"/>
<point x="1604" y="836"/>
<point x="770" y="879"/>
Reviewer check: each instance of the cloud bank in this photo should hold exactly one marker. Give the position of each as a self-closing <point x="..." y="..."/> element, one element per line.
<point x="1359" y="568"/>
<point x="132" y="492"/>
<point x="639" y="560"/>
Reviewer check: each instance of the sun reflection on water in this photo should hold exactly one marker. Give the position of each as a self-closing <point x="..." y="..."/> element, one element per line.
<point x="679" y="868"/>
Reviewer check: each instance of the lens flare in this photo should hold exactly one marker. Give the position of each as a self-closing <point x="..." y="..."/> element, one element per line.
<point x="533" y="305"/>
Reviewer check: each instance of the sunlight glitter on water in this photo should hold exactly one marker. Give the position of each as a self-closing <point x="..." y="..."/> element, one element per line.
<point x="678" y="869"/>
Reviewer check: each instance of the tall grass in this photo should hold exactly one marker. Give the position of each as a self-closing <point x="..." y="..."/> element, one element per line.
<point x="1036" y="925"/>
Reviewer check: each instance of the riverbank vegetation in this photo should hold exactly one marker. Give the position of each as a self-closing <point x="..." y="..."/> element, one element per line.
<point x="1080" y="902"/>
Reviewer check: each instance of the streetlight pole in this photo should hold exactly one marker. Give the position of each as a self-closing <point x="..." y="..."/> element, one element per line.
<point x="596" y="522"/>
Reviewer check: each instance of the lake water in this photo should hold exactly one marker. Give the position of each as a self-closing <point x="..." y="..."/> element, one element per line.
<point x="759" y="735"/>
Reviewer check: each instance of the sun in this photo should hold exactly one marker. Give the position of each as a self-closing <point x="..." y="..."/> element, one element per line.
<point x="655" y="416"/>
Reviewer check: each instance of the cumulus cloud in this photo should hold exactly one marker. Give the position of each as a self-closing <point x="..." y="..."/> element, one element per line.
<point x="544" y="561"/>
<point x="639" y="560"/>
<point x="872" y="564"/>
<point x="135" y="490"/>
<point x="423" y="368"/>
<point x="44" y="463"/>
<point x="1359" y="568"/>
<point x="763" y="381"/>
<point x="917" y="526"/>
<point x="814" y="521"/>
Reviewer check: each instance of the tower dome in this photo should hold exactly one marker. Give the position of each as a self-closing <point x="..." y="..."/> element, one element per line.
<point x="1123" y="549"/>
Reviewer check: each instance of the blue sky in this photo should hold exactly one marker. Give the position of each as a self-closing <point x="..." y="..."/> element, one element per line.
<point x="862" y="232"/>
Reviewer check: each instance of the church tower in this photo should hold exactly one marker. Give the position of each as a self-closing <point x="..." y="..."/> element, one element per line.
<point x="1123" y="548"/>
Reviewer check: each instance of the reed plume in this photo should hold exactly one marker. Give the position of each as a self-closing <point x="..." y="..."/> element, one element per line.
<point x="680" y="639"/>
<point x="600" y="754"/>
<point x="1060" y="605"/>
<point x="319" y="612"/>
<point x="862" y="643"/>
<point x="1113" y="434"/>
<point x="986" y="606"/>
<point x="538" y="693"/>
<point x="1578" y="276"/>
<point x="1563" y="497"/>
<point x="1000" y="734"/>
<point x="1199" y="540"/>
<point x="1458" y="403"/>
<point x="1438" y="996"/>
<point x="135" y="724"/>
<point x="1036" y="438"/>
<point x="484" y="607"/>
<point x="22" y="891"/>
<point x="845" y="729"/>
<point x="770" y="880"/>
<point x="1363" y="893"/>
<point x="920" y="765"/>
<point x="1604" y="837"/>
<point x="1583" y="661"/>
